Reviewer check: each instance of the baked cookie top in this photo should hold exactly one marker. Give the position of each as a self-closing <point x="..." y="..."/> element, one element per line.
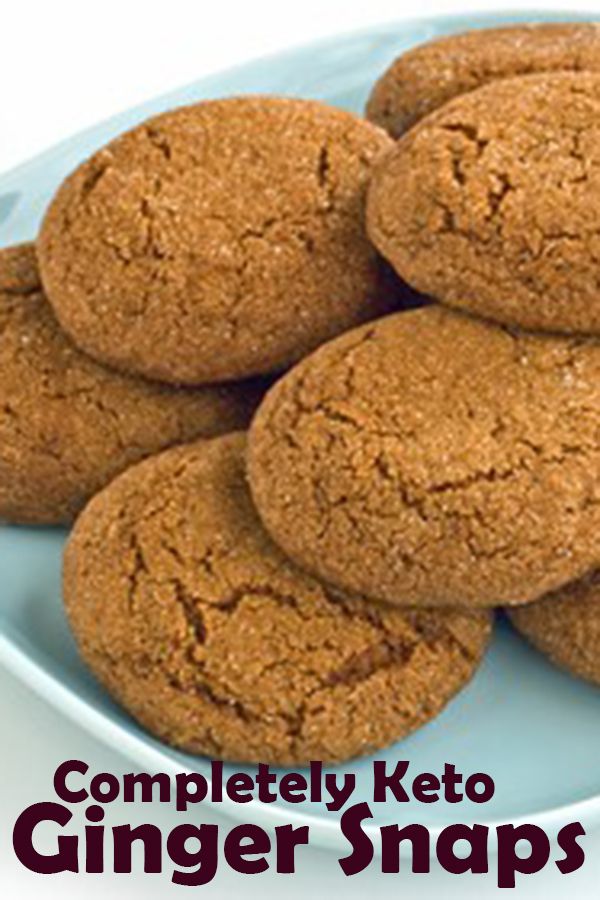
<point x="424" y="78"/>
<point x="67" y="425"/>
<point x="565" y="625"/>
<point x="491" y="203"/>
<point x="431" y="458"/>
<point x="202" y="629"/>
<point x="217" y="241"/>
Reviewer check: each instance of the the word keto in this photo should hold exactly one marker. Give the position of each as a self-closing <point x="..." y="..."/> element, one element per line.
<point x="195" y="850"/>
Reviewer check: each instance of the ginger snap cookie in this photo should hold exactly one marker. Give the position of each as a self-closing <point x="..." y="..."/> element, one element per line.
<point x="565" y="625"/>
<point x="217" y="241"/>
<point x="67" y="425"/>
<point x="201" y="628"/>
<point x="491" y="203"/>
<point x="431" y="458"/>
<point x="426" y="77"/>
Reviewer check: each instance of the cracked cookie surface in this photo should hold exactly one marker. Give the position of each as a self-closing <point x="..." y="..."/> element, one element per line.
<point x="201" y="628"/>
<point x="426" y="77"/>
<point x="67" y="425"/>
<point x="565" y="625"/>
<point x="491" y="203"/>
<point x="433" y="458"/>
<point x="218" y="241"/>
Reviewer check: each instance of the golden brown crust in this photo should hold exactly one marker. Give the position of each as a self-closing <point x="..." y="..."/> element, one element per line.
<point x="67" y="425"/>
<point x="217" y="241"/>
<point x="490" y="204"/>
<point x="202" y="629"/>
<point x="19" y="273"/>
<point x="426" y="77"/>
<point x="432" y="458"/>
<point x="565" y="625"/>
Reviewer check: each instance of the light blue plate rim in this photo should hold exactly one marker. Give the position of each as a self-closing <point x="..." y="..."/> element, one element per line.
<point x="455" y="22"/>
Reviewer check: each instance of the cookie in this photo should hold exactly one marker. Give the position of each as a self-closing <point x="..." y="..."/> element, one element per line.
<point x="565" y="625"/>
<point x="67" y="425"/>
<point x="426" y="77"/>
<point x="491" y="203"/>
<point x="431" y="458"/>
<point x="218" y="241"/>
<point x="202" y="629"/>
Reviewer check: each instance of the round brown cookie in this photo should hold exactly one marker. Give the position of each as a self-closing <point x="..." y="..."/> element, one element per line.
<point x="201" y="628"/>
<point x="67" y="425"/>
<point x="426" y="77"/>
<point x="491" y="203"/>
<point x="217" y="241"/>
<point x="431" y="458"/>
<point x="565" y="625"/>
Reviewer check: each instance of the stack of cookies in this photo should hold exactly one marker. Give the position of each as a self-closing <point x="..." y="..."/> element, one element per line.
<point x="369" y="350"/>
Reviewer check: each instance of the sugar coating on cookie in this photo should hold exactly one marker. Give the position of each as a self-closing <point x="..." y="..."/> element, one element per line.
<point x="491" y="203"/>
<point x="67" y="425"/>
<point x="217" y="241"/>
<point x="565" y="625"/>
<point x="432" y="458"/>
<point x="202" y="629"/>
<point x="425" y="77"/>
